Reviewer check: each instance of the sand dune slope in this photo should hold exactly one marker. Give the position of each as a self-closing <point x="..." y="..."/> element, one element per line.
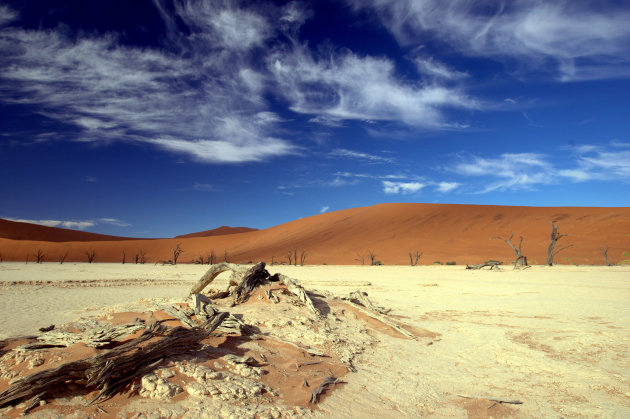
<point x="457" y="233"/>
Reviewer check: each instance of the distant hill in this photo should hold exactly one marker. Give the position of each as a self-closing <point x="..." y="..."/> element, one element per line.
<point x="221" y="231"/>
<point x="15" y="230"/>
<point x="441" y="232"/>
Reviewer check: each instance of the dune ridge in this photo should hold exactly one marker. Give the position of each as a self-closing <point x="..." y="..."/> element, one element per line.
<point x="220" y="231"/>
<point x="442" y="232"/>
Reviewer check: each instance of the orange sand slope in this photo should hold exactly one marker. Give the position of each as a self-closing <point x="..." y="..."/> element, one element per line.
<point x="445" y="233"/>
<point x="223" y="230"/>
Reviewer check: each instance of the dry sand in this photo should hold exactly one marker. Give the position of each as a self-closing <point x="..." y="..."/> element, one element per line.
<point x="555" y="338"/>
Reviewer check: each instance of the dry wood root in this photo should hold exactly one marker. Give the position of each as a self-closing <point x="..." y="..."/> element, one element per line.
<point x="378" y="315"/>
<point x="328" y="381"/>
<point x="492" y="399"/>
<point x="114" y="369"/>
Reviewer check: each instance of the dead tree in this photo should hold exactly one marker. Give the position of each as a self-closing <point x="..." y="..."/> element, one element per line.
<point x="551" y="250"/>
<point x="40" y="256"/>
<point x="519" y="253"/>
<point x="124" y="257"/>
<point x="212" y="258"/>
<point x="225" y="256"/>
<point x="414" y="257"/>
<point x="140" y="257"/>
<point x="90" y="255"/>
<point x="62" y="258"/>
<point x="605" y="253"/>
<point x="372" y="256"/>
<point x="361" y="259"/>
<point x="176" y="252"/>
<point x="290" y="256"/>
<point x="303" y="255"/>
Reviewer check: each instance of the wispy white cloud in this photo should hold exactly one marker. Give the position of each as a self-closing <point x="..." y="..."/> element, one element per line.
<point x="324" y="209"/>
<point x="447" y="186"/>
<point x="522" y="171"/>
<point x="347" y="86"/>
<point x="6" y="15"/>
<point x="204" y="98"/>
<point x="57" y="223"/>
<point x="510" y="170"/>
<point x="114" y="221"/>
<point x="342" y="152"/>
<point x="574" y="40"/>
<point x="403" y="188"/>
<point x="434" y="68"/>
<point x="597" y="163"/>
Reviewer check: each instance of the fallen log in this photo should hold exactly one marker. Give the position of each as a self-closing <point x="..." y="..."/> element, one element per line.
<point x="210" y="276"/>
<point x="491" y="263"/>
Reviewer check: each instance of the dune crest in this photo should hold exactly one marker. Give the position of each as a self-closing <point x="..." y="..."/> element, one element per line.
<point x="389" y="232"/>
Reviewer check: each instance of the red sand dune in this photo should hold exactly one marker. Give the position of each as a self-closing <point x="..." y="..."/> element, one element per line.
<point x="458" y="233"/>
<point x="221" y="231"/>
<point x="16" y="230"/>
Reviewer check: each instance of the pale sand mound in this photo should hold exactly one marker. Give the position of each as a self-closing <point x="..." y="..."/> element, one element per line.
<point x="265" y="360"/>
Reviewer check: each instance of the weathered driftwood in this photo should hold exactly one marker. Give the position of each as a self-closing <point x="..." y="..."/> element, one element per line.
<point x="295" y="288"/>
<point x="93" y="334"/>
<point x="376" y="314"/>
<point x="328" y="381"/>
<point x="211" y="274"/>
<point x="114" y="369"/>
<point x="491" y="263"/>
<point x="257" y="275"/>
<point x="272" y="297"/>
<point x="361" y="297"/>
<point x="492" y="399"/>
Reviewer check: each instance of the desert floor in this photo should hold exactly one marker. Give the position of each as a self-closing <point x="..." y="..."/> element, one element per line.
<point x="555" y="338"/>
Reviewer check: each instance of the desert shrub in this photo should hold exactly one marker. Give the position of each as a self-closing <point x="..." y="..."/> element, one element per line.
<point x="451" y="263"/>
<point x="437" y="262"/>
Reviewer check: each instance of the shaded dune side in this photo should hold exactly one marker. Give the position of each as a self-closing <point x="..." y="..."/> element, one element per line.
<point x="220" y="231"/>
<point x="443" y="232"/>
<point x="16" y="230"/>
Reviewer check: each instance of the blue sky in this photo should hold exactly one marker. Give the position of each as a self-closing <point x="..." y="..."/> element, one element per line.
<point x="157" y="118"/>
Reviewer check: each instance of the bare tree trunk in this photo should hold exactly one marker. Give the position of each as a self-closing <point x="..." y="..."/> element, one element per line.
<point x="551" y="250"/>
<point x="303" y="257"/>
<point x="123" y="257"/>
<point x="40" y="256"/>
<point x="361" y="259"/>
<point x="62" y="258"/>
<point x="176" y="252"/>
<point x="372" y="256"/>
<point x="290" y="256"/>
<point x="605" y="252"/>
<point x="519" y="254"/>
<point x="90" y="256"/>
<point x="414" y="257"/>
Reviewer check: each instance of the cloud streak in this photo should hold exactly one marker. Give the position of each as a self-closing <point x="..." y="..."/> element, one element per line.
<point x="202" y="98"/>
<point x="348" y="86"/>
<point x="569" y="39"/>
